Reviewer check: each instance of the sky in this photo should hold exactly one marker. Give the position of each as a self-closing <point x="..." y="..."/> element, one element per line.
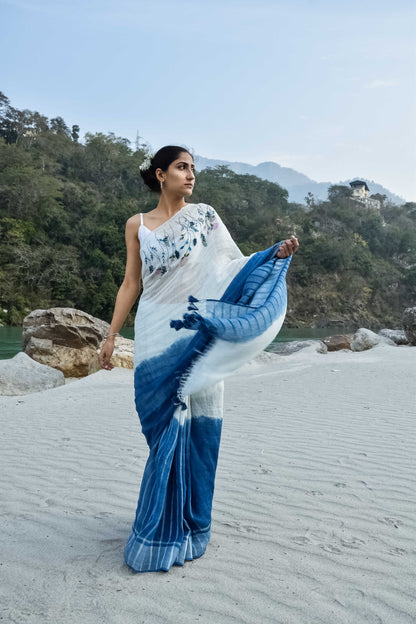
<point x="327" y="87"/>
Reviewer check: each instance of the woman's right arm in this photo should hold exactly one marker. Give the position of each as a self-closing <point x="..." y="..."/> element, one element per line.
<point x="128" y="291"/>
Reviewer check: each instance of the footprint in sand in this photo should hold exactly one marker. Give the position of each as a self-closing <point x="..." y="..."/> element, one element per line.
<point x="398" y="552"/>
<point x="242" y="528"/>
<point x="331" y="548"/>
<point x="262" y="470"/>
<point x="351" y="542"/>
<point x="365" y="484"/>
<point x="344" y="460"/>
<point x="391" y="521"/>
<point x="302" y="540"/>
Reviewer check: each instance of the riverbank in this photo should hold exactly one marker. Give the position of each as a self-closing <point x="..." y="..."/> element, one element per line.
<point x="313" y="516"/>
<point x="11" y="337"/>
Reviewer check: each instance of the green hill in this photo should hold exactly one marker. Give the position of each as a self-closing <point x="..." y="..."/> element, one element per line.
<point x="64" y="204"/>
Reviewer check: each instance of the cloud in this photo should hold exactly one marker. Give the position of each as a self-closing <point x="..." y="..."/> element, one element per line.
<point x="379" y="84"/>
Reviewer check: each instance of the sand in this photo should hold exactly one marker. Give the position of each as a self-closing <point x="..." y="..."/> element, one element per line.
<point x="314" y="516"/>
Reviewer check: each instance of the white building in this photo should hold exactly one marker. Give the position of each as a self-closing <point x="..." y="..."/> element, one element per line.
<point x="360" y="192"/>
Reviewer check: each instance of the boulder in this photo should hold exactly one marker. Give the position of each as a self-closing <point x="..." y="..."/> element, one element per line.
<point x="22" y="375"/>
<point x="364" y="339"/>
<point x="68" y="339"/>
<point x="66" y="327"/>
<point x="265" y="357"/>
<point x="287" y="348"/>
<point x="397" y="335"/>
<point x="338" y="342"/>
<point x="409" y="324"/>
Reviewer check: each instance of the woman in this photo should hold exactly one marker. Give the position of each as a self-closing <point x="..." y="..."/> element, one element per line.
<point x="230" y="307"/>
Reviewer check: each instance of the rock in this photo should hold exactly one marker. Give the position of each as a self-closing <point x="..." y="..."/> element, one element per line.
<point x="22" y="375"/>
<point x="287" y="348"/>
<point x="397" y="335"/>
<point x="67" y="327"/>
<point x="409" y="324"/>
<point x="338" y="342"/>
<point x="68" y="339"/>
<point x="364" y="339"/>
<point x="265" y="357"/>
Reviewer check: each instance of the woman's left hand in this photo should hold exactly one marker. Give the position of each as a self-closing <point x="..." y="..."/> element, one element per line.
<point x="288" y="247"/>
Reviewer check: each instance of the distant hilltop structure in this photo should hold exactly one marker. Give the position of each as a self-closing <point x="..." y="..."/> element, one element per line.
<point x="360" y="192"/>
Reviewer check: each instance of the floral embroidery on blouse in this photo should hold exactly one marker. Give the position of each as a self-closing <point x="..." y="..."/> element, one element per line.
<point x="165" y="250"/>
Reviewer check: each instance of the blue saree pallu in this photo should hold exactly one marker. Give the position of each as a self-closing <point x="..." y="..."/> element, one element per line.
<point x="179" y="380"/>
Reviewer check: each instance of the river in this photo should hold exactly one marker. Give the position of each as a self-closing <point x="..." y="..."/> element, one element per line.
<point x="11" y="337"/>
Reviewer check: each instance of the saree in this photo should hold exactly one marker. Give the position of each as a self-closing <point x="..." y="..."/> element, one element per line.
<point x="206" y="309"/>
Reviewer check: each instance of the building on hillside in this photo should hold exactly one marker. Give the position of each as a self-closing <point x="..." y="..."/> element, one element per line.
<point x="360" y="192"/>
<point x="359" y="188"/>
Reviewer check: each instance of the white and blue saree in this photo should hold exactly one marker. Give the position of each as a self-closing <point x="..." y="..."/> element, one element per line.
<point x="205" y="311"/>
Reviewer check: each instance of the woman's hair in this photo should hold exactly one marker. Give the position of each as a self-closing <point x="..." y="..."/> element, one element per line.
<point x="161" y="160"/>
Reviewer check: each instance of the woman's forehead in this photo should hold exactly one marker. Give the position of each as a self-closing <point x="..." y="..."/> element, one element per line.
<point x="184" y="157"/>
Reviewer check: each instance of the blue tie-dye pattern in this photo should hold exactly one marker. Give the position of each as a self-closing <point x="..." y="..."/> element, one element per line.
<point x="262" y="300"/>
<point x="173" y="517"/>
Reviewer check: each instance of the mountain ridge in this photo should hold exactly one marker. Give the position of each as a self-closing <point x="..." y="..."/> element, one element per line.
<point x="296" y="183"/>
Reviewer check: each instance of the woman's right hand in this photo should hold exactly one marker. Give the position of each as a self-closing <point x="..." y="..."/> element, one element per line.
<point x="106" y="353"/>
<point x="288" y="247"/>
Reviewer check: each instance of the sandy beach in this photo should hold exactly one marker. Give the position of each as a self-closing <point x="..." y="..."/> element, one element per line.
<point x="314" y="516"/>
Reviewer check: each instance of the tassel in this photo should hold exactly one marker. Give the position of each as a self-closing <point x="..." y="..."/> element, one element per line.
<point x="177" y="325"/>
<point x="192" y="299"/>
<point x="192" y="321"/>
<point x="192" y="306"/>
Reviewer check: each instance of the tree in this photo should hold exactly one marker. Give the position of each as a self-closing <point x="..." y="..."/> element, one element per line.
<point x="379" y="197"/>
<point x="75" y="133"/>
<point x="59" y="126"/>
<point x="339" y="192"/>
<point x="310" y="200"/>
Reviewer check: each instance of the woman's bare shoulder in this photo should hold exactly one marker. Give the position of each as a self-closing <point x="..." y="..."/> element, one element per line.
<point x="133" y="224"/>
<point x="133" y="221"/>
<point x="132" y="227"/>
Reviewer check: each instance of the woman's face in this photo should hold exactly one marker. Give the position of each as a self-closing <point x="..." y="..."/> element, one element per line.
<point x="180" y="176"/>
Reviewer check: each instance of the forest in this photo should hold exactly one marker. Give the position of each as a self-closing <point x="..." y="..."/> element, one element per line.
<point x="64" y="204"/>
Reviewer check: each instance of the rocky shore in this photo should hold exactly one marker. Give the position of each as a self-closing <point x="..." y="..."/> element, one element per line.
<point x="64" y="343"/>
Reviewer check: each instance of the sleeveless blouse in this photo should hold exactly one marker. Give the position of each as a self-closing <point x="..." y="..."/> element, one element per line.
<point x="143" y="230"/>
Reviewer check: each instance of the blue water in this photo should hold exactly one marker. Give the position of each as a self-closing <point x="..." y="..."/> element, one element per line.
<point x="10" y="341"/>
<point x="11" y="337"/>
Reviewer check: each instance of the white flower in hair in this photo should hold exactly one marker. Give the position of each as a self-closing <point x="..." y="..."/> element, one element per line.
<point x="146" y="163"/>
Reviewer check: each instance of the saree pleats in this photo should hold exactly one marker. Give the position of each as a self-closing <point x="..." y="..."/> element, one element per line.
<point x="173" y="517"/>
